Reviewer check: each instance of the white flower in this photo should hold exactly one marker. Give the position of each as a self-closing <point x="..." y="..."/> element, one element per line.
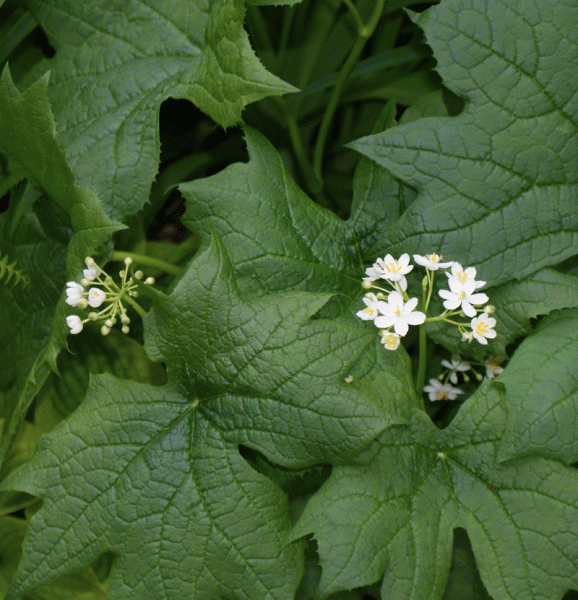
<point x="73" y="293"/>
<point x="75" y="324"/>
<point x="457" y="365"/>
<point x="96" y="297"/>
<point x="91" y="272"/>
<point x="482" y="328"/>
<point x="398" y="314"/>
<point x="390" y="340"/>
<point x="493" y="367"/>
<point x="462" y="295"/>
<point x="441" y="391"/>
<point x="462" y="275"/>
<point x="431" y="261"/>
<point x="390" y="269"/>
<point x="370" y="311"/>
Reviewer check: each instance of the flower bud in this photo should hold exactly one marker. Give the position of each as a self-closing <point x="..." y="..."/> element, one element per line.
<point x="84" y="282"/>
<point x="89" y="262"/>
<point x="125" y="328"/>
<point x="150" y="280"/>
<point x="490" y="309"/>
<point x="105" y="330"/>
<point x="127" y="261"/>
<point x="93" y="316"/>
<point x="139" y="275"/>
<point x="125" y="320"/>
<point x="366" y="285"/>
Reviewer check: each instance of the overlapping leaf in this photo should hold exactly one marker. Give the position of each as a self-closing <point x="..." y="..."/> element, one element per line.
<point x="116" y="62"/>
<point x="497" y="184"/>
<point x="44" y="210"/>
<point x="154" y="475"/>
<point x="137" y="471"/>
<point x="278" y="239"/>
<point x="395" y="515"/>
<point x="542" y="391"/>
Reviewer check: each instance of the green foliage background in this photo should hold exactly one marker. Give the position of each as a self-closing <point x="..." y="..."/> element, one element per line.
<point x="218" y="451"/>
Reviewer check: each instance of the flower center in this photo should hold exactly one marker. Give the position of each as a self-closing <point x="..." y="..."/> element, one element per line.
<point x="461" y="276"/>
<point x="482" y="328"/>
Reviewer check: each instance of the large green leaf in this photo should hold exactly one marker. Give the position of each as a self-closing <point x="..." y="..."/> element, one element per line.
<point x="138" y="471"/>
<point x="395" y="515"/>
<point x="114" y="65"/>
<point x="542" y="391"/>
<point x="277" y="239"/>
<point x="35" y="231"/>
<point x="497" y="183"/>
<point x="159" y="481"/>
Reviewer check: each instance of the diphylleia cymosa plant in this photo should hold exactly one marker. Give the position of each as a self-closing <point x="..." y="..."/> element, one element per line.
<point x="393" y="309"/>
<point x="104" y="290"/>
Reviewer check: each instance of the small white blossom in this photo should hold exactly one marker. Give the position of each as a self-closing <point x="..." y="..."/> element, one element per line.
<point x="462" y="275"/>
<point x="91" y="272"/>
<point x="75" y="324"/>
<point x="493" y="367"/>
<point x="397" y="314"/>
<point x="390" y="340"/>
<point x="461" y="295"/>
<point x="482" y="328"/>
<point x="370" y="311"/>
<point x="96" y="297"/>
<point x="73" y="293"/>
<point x="441" y="391"/>
<point x="390" y="269"/>
<point x="431" y="261"/>
<point x="456" y="366"/>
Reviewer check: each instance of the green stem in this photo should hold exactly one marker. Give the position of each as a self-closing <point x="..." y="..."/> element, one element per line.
<point x="135" y="305"/>
<point x="148" y="261"/>
<point x="314" y="184"/>
<point x="420" y="379"/>
<point x="364" y="33"/>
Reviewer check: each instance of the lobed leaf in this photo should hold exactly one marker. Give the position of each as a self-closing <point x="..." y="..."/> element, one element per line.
<point x="542" y="391"/>
<point x="114" y="65"/>
<point x="497" y="183"/>
<point x="137" y="471"/>
<point x="394" y="516"/>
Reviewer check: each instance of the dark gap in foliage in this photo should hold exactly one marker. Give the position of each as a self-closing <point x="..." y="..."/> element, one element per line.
<point x="464" y="578"/>
<point x="5" y="202"/>
<point x="192" y="146"/>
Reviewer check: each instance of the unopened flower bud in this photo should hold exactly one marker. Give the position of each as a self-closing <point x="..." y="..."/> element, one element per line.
<point x="127" y="261"/>
<point x="89" y="262"/>
<point x="122" y="273"/>
<point x="490" y="309"/>
<point x="125" y="320"/>
<point x="84" y="282"/>
<point x="83" y="303"/>
<point x="105" y="330"/>
<point x="366" y="285"/>
<point x="109" y="323"/>
<point x="149" y="280"/>
<point x="93" y="316"/>
<point x="125" y="328"/>
<point x="424" y="283"/>
<point x="139" y="275"/>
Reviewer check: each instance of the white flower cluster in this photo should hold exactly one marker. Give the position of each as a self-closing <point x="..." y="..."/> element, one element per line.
<point x="394" y="309"/>
<point x="437" y="390"/>
<point x="112" y="294"/>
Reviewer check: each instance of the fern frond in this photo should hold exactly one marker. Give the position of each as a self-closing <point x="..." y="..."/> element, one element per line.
<point x="12" y="275"/>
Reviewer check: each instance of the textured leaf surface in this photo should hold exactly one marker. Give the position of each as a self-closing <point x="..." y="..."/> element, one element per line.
<point x="396" y="514"/>
<point x="497" y="183"/>
<point x="142" y="474"/>
<point x="262" y="369"/>
<point x="278" y="239"/>
<point x="43" y="213"/>
<point x="154" y="475"/>
<point x="116" y="62"/>
<point x="542" y="391"/>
